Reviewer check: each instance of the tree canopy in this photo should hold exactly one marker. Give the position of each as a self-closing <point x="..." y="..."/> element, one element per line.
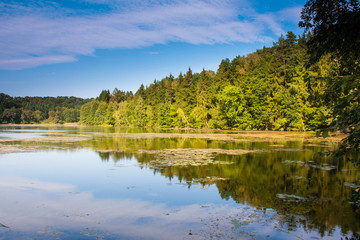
<point x="335" y="38"/>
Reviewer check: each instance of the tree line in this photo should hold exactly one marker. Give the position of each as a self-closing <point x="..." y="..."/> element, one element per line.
<point x="270" y="89"/>
<point x="40" y="109"/>
<point x="308" y="82"/>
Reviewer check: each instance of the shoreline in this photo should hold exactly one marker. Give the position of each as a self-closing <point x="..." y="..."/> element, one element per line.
<point x="331" y="134"/>
<point x="40" y="125"/>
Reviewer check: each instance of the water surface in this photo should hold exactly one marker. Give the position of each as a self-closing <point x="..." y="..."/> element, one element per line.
<point x="106" y="183"/>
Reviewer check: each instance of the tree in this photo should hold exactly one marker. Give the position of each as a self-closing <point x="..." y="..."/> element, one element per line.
<point x="117" y="96"/>
<point x="87" y="112"/>
<point x="11" y="115"/>
<point x="199" y="117"/>
<point x="104" y="96"/>
<point x="334" y="29"/>
<point x="100" y="115"/>
<point x="139" y="112"/>
<point x="38" y="116"/>
<point x="233" y="106"/>
<point x="163" y="117"/>
<point x="120" y="114"/>
<point x="110" y="120"/>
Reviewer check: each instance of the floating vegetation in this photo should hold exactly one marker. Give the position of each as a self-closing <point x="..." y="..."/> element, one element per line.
<point x="324" y="166"/>
<point x="300" y="178"/>
<point x="190" y="156"/>
<point x="289" y="149"/>
<point x="53" y="138"/>
<point x="352" y="185"/>
<point x="247" y="223"/>
<point x="238" y="224"/>
<point x="93" y="232"/>
<point x="208" y="180"/>
<point x="289" y="197"/>
<point x="203" y="183"/>
<point x="236" y="136"/>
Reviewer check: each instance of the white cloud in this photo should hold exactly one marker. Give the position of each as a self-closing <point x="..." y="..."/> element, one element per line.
<point x="28" y="62"/>
<point x="29" y="39"/>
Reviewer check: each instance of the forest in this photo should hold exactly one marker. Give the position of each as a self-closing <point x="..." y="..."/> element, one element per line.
<point x="270" y="89"/>
<point x="40" y="109"/>
<point x="301" y="83"/>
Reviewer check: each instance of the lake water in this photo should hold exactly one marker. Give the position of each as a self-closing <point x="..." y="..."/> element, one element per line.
<point x="108" y="183"/>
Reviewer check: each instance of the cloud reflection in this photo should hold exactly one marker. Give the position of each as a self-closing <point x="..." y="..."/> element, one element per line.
<point x="28" y="205"/>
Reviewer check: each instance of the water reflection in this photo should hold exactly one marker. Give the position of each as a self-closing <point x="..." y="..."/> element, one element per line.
<point x="275" y="188"/>
<point x="62" y="209"/>
<point x="57" y="211"/>
<point x="295" y="183"/>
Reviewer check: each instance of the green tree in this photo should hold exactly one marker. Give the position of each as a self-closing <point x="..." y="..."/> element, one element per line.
<point x="333" y="26"/>
<point x="233" y="106"/>
<point x="164" y="119"/>
<point x="104" y="96"/>
<point x="117" y="96"/>
<point x="87" y="113"/>
<point x="110" y="120"/>
<point x="70" y="115"/>
<point x="120" y="114"/>
<point x="11" y="115"/>
<point x="100" y="115"/>
<point x="139" y="112"/>
<point x="38" y="116"/>
<point x="199" y="117"/>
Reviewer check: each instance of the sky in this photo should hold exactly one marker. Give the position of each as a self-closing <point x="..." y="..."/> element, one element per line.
<point x="81" y="47"/>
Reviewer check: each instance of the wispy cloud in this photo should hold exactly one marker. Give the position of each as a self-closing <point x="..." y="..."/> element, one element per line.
<point x="28" y="62"/>
<point x="35" y="34"/>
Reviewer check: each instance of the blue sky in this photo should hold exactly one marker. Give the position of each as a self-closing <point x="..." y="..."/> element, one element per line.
<point x="79" y="47"/>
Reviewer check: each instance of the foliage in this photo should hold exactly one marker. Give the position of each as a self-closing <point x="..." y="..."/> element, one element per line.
<point x="270" y="89"/>
<point x="335" y="38"/>
<point x="308" y="82"/>
<point x="40" y="109"/>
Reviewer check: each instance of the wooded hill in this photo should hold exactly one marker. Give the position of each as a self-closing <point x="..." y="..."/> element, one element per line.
<point x="40" y="109"/>
<point x="270" y="89"/>
<point x="308" y="82"/>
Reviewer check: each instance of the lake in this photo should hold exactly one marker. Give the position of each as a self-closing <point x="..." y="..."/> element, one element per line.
<point x="116" y="183"/>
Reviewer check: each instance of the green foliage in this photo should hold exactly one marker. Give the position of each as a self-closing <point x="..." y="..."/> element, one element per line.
<point x="120" y="114"/>
<point x="335" y="45"/>
<point x="199" y="117"/>
<point x="104" y="96"/>
<point x="334" y="26"/>
<point x="100" y="116"/>
<point x="163" y="119"/>
<point x="40" y="109"/>
<point x="139" y="112"/>
<point x="87" y="112"/>
<point x="270" y="89"/>
<point x="233" y="105"/>
<point x="110" y="119"/>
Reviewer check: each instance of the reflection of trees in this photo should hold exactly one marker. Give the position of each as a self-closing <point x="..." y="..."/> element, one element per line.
<point x="256" y="179"/>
